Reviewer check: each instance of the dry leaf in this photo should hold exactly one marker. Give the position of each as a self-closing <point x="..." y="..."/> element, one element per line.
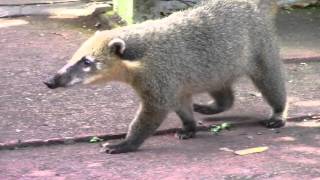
<point x="251" y="150"/>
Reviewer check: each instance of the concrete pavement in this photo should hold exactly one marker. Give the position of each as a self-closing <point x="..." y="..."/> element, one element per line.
<point x="293" y="154"/>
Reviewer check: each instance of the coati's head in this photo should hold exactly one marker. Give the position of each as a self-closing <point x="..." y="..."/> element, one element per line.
<point x="99" y="59"/>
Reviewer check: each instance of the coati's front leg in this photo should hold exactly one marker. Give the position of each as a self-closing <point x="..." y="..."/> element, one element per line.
<point x="146" y="122"/>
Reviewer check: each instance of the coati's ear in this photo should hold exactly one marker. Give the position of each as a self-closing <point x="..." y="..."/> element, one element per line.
<point x="117" y="46"/>
<point x="125" y="51"/>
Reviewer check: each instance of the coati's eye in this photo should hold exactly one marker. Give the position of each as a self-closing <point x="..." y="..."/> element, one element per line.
<point x="87" y="62"/>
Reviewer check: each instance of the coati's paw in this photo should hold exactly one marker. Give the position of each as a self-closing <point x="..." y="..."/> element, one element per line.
<point x="116" y="148"/>
<point x="274" y="122"/>
<point x="184" y="134"/>
<point x="206" y="109"/>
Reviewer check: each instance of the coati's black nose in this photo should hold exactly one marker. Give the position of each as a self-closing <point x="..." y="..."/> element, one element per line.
<point x="51" y="83"/>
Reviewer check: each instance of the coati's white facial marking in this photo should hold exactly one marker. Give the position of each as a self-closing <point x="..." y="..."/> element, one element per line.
<point x="87" y="69"/>
<point x="88" y="61"/>
<point x="64" y="69"/>
<point x="74" y="81"/>
<point x="90" y="58"/>
<point x="99" y="65"/>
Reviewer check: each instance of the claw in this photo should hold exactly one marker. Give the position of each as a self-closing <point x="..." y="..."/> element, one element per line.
<point x="182" y="134"/>
<point x="273" y="123"/>
<point x="121" y="147"/>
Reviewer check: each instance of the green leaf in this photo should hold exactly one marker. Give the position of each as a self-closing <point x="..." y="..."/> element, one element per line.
<point x="215" y="129"/>
<point x="218" y="128"/>
<point x="225" y="125"/>
<point x="95" y="139"/>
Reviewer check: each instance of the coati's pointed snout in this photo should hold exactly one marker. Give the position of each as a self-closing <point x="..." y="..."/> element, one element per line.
<point x="52" y="82"/>
<point x="49" y="84"/>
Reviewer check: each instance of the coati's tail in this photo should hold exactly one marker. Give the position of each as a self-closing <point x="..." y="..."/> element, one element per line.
<point x="268" y="7"/>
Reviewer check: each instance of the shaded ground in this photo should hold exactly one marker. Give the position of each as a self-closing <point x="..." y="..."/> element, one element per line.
<point x="28" y="110"/>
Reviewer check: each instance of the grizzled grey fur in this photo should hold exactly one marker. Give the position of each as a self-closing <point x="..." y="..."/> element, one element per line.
<point x="203" y="49"/>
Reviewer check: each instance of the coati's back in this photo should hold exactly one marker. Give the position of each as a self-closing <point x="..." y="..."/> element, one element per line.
<point x="207" y="45"/>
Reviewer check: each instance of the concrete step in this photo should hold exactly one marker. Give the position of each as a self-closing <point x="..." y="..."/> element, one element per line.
<point x="31" y="2"/>
<point x="75" y="8"/>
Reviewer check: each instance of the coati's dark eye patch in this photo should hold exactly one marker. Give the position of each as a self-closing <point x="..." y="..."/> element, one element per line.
<point x="87" y="61"/>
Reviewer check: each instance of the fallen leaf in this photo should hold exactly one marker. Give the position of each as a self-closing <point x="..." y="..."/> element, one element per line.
<point x="251" y="150"/>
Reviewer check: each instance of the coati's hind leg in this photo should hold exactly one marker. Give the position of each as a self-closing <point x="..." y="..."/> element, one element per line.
<point x="185" y="113"/>
<point x="269" y="79"/>
<point x="223" y="101"/>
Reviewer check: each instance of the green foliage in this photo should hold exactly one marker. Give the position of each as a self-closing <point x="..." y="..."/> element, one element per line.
<point x="95" y="139"/>
<point x="218" y="128"/>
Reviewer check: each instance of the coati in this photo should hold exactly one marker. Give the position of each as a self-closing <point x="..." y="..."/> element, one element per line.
<point x="167" y="61"/>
